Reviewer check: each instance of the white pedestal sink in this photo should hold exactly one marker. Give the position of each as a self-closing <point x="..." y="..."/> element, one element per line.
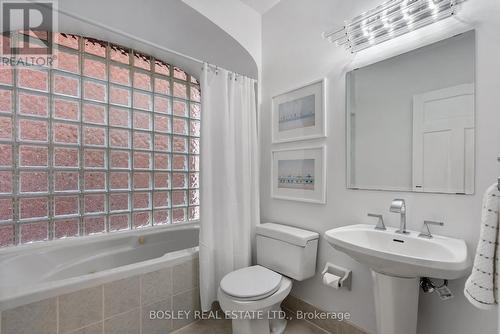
<point x="397" y="262"/>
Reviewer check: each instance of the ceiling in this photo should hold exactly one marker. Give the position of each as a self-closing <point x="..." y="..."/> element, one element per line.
<point x="261" y="6"/>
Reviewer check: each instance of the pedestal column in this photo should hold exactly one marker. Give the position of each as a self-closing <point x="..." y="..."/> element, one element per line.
<point x="396" y="304"/>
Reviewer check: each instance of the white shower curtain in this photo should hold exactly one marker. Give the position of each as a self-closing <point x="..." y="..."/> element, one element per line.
<point x="229" y="177"/>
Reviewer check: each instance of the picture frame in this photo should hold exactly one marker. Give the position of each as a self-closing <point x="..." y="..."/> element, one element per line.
<point x="299" y="174"/>
<point x="299" y="114"/>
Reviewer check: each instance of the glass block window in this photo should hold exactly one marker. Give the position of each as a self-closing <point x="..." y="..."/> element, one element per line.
<point x="105" y="139"/>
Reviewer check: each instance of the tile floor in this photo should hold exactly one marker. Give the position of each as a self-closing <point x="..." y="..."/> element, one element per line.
<point x="224" y="327"/>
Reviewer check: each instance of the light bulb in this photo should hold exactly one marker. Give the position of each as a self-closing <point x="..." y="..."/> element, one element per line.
<point x="364" y="29"/>
<point x="385" y="20"/>
<point x="405" y="11"/>
<point x="434" y="8"/>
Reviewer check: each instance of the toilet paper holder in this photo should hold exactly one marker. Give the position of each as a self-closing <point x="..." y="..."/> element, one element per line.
<point x="344" y="274"/>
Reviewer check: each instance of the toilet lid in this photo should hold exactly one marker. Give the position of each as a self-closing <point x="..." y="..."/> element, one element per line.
<point x="255" y="282"/>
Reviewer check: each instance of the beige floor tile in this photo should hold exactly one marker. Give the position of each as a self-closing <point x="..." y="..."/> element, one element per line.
<point x="207" y="327"/>
<point x="302" y="327"/>
<point x="224" y="327"/>
<point x="188" y="301"/>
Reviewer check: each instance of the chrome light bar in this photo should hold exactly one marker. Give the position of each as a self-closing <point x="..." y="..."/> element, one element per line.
<point x="389" y="20"/>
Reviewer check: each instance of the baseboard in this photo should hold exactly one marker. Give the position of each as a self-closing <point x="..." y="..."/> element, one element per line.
<point x="293" y="304"/>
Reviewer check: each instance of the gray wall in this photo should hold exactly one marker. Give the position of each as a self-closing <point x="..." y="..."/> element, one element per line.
<point x="295" y="53"/>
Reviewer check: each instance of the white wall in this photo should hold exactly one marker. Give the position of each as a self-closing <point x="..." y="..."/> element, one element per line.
<point x="294" y="53"/>
<point x="154" y="26"/>
<point x="240" y="21"/>
<point x="237" y="19"/>
<point x="382" y="103"/>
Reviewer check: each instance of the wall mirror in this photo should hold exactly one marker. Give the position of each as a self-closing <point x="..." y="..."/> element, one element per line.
<point x="410" y="120"/>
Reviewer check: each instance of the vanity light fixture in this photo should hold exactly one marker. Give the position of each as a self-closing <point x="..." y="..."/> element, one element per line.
<point x="389" y="20"/>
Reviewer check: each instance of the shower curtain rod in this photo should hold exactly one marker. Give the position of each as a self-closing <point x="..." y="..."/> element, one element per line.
<point x="127" y="35"/>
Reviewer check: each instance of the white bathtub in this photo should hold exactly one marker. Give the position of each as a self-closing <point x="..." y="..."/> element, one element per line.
<point x="36" y="272"/>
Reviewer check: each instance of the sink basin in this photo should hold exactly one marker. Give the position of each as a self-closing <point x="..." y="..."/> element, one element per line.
<point x="401" y="255"/>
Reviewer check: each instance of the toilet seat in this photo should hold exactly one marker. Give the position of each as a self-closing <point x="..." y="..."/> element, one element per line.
<point x="251" y="283"/>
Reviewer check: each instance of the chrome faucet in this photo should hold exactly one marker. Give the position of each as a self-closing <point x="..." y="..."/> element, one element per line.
<point x="428" y="234"/>
<point x="380" y="222"/>
<point x="399" y="206"/>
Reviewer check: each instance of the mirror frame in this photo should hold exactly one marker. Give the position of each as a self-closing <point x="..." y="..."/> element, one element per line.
<point x="348" y="118"/>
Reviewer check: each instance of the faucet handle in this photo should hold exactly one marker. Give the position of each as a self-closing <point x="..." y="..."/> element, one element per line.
<point x="380" y="223"/>
<point x="428" y="234"/>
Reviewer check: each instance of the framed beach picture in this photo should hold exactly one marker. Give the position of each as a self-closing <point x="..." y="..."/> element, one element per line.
<point x="300" y="113"/>
<point x="299" y="174"/>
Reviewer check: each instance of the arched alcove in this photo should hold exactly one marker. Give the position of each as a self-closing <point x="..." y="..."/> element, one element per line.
<point x="155" y="27"/>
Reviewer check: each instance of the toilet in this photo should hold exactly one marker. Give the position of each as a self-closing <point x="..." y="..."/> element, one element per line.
<point x="252" y="296"/>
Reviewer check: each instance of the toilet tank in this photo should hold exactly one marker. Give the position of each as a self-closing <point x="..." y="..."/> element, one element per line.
<point x="287" y="250"/>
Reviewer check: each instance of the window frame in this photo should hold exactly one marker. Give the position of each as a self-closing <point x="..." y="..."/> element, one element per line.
<point x="51" y="169"/>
